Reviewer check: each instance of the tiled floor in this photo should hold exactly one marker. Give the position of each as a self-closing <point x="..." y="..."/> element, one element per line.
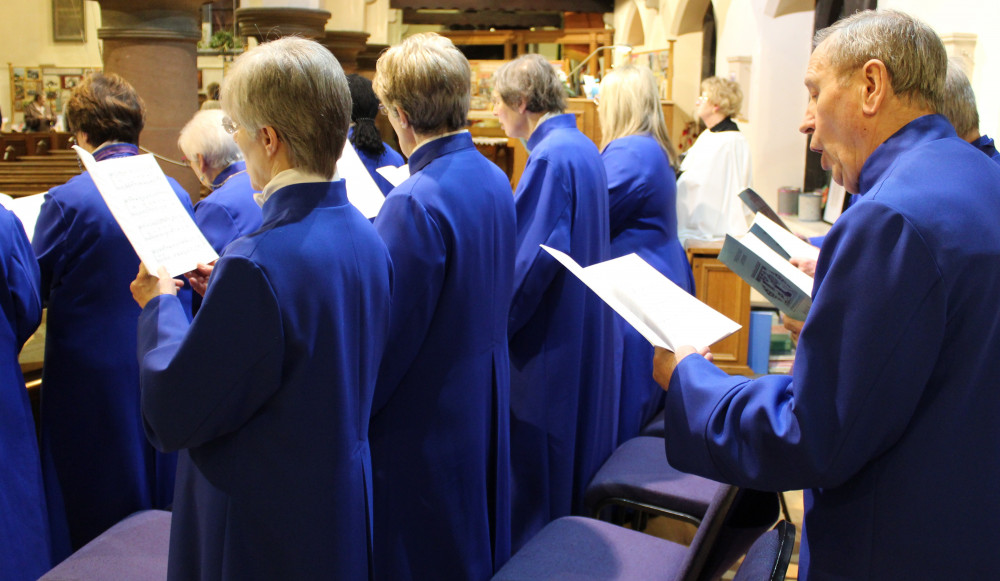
<point x="682" y="532"/>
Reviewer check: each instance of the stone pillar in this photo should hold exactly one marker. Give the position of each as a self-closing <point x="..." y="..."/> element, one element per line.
<point x="346" y="46"/>
<point x="153" y="44"/>
<point x="270" y="23"/>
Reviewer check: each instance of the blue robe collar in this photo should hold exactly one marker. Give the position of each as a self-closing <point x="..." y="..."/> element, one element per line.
<point x="564" y="121"/>
<point x="233" y="169"/>
<point x="921" y="130"/>
<point x="113" y="150"/>
<point x="436" y="148"/>
<point x="985" y="145"/>
<point x="294" y="202"/>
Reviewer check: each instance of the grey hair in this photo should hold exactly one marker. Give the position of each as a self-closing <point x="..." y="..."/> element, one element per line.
<point x="910" y="50"/>
<point x="429" y="79"/>
<point x="204" y="134"/>
<point x="724" y="94"/>
<point x="958" y="102"/>
<point x="531" y="78"/>
<point x="297" y="87"/>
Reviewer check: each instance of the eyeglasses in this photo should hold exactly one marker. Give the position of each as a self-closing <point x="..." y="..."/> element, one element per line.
<point x="230" y="126"/>
<point x="701" y="99"/>
<point x="383" y="109"/>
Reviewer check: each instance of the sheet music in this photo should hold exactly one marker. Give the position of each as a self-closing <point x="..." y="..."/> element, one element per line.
<point x="395" y="175"/>
<point x="660" y="311"/>
<point x="147" y="209"/>
<point x="362" y="191"/>
<point x="26" y="208"/>
<point x="791" y="244"/>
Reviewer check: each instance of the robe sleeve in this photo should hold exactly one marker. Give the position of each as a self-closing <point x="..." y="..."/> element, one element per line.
<point x="217" y="224"/>
<point x="544" y="216"/>
<point x="205" y="379"/>
<point x="863" y="362"/>
<point x="49" y="243"/>
<point x="419" y="255"/>
<point x="22" y="281"/>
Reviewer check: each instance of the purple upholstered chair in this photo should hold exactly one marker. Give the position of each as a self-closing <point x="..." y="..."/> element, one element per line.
<point x="135" y="549"/>
<point x="637" y="476"/>
<point x="768" y="557"/>
<point x="581" y="549"/>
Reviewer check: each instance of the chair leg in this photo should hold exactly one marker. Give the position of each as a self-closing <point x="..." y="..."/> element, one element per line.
<point x="784" y="507"/>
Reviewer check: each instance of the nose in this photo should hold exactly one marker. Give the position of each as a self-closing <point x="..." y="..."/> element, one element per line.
<point x="808" y="125"/>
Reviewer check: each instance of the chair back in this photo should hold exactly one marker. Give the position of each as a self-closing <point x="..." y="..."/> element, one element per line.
<point x="768" y="557"/>
<point x="734" y="520"/>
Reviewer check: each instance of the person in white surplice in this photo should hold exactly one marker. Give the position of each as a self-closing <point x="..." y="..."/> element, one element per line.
<point x="716" y="168"/>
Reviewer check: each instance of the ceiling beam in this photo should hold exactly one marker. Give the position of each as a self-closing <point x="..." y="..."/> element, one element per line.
<point x="485" y="18"/>
<point x="529" y="5"/>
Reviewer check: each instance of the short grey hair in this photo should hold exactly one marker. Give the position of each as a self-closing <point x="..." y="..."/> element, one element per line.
<point x="429" y="79"/>
<point x="531" y="78"/>
<point x="204" y="134"/>
<point x="910" y="50"/>
<point x="958" y="102"/>
<point x="297" y="87"/>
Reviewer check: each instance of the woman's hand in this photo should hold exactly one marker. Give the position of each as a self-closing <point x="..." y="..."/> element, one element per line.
<point x="198" y="278"/>
<point x="146" y="286"/>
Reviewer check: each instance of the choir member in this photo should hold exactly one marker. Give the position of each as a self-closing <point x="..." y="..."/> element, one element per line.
<point x="364" y="135"/>
<point x="638" y="157"/>
<point x="25" y="552"/>
<point x="564" y="390"/>
<point x="268" y="391"/>
<point x="99" y="467"/>
<point x="439" y="430"/>
<point x="890" y="420"/>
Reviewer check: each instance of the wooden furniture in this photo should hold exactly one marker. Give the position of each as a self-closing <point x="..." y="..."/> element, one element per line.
<point x="515" y="42"/>
<point x="720" y="288"/>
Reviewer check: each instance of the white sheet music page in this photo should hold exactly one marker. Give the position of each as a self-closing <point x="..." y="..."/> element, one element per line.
<point x="660" y="311"/>
<point x="362" y="191"/>
<point x="395" y="175"/>
<point x="149" y="213"/>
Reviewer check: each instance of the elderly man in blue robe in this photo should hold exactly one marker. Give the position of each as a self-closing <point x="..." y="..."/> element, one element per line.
<point x="958" y="104"/>
<point x="890" y="420"/>
<point x="268" y="391"/>
<point x="439" y="423"/>
<point x="564" y="390"/>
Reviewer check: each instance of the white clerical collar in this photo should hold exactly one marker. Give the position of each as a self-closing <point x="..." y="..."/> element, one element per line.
<point x="442" y="136"/>
<point x="290" y="177"/>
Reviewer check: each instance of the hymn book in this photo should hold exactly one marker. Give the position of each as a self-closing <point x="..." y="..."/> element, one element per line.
<point x="145" y="206"/>
<point x="757" y="205"/>
<point x="662" y="312"/>
<point x="760" y="257"/>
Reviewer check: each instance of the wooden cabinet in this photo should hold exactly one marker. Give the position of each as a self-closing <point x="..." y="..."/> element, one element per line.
<point x="718" y="287"/>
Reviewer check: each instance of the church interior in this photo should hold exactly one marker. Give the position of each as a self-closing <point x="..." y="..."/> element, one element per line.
<point x="173" y="52"/>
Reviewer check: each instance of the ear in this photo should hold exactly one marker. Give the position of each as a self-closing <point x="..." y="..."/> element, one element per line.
<point x="876" y="86"/>
<point x="269" y="139"/>
<point x="404" y="119"/>
<point x="202" y="166"/>
<point x="522" y="106"/>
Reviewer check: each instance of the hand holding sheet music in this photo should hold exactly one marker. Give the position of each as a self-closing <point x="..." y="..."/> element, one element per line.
<point x="147" y="209"/>
<point x="661" y="311"/>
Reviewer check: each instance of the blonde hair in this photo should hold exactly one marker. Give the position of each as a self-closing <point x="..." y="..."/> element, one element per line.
<point x="724" y="94"/>
<point x="630" y="105"/>
<point x="429" y="79"/>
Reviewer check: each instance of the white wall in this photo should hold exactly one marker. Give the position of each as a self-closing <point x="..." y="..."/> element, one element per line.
<point x="980" y="17"/>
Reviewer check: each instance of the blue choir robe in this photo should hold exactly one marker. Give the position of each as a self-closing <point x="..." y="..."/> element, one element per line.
<point x="891" y="419"/>
<point x="98" y="465"/>
<point x="563" y="389"/>
<point x="268" y="392"/>
<point x="985" y="145"/>
<point x="642" y="193"/>
<point x="389" y="157"/>
<point x="439" y="430"/>
<point x="230" y="211"/>
<point x="24" y="527"/>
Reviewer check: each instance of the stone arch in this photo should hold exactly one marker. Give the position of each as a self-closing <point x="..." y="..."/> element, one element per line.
<point x="633" y="27"/>
<point x="688" y="16"/>
<point x="776" y="8"/>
